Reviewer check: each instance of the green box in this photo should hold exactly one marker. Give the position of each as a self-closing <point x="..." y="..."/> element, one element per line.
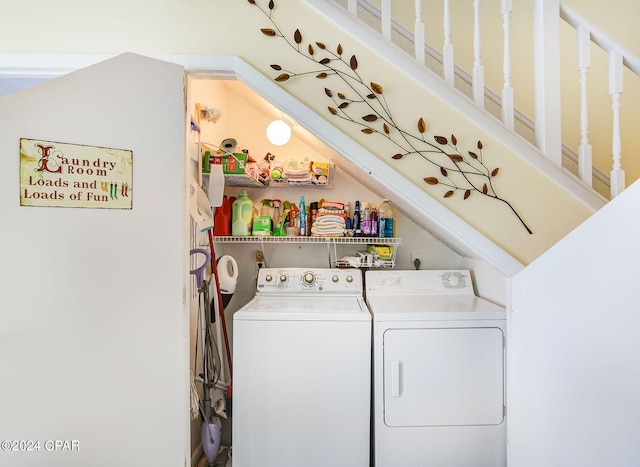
<point x="261" y="226"/>
<point x="235" y="165"/>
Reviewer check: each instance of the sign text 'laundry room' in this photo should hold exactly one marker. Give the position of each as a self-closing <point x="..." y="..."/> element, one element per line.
<point x="73" y="175"/>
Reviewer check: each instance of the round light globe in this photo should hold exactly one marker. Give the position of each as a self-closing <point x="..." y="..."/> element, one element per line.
<point x="278" y="133"/>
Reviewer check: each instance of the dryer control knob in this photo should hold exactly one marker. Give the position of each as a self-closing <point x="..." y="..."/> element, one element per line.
<point x="283" y="278"/>
<point x="454" y="281"/>
<point x="268" y="278"/>
<point x="380" y="281"/>
<point x="349" y="279"/>
<point x="335" y="279"/>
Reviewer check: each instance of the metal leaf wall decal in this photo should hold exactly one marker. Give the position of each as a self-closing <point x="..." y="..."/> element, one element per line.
<point x="465" y="174"/>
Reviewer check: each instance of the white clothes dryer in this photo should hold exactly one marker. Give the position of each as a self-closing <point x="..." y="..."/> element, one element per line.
<point x="302" y="371"/>
<point x="439" y="371"/>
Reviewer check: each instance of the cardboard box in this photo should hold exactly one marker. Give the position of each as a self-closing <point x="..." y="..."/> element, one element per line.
<point x="235" y="165"/>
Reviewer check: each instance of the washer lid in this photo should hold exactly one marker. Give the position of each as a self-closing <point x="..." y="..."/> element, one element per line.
<point x="296" y="308"/>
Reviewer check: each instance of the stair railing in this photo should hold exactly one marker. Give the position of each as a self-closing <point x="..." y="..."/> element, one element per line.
<point x="547" y="15"/>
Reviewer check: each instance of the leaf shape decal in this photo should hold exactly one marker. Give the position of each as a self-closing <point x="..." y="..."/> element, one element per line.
<point x="353" y="63"/>
<point x="343" y="105"/>
<point x="328" y="92"/>
<point x="297" y="36"/>
<point x="283" y="77"/>
<point x="454" y="140"/>
<point x="441" y="140"/>
<point x="321" y="75"/>
<point x="370" y="118"/>
<point x="339" y="49"/>
<point x="367" y="131"/>
<point x="396" y="156"/>
<point x="448" y="194"/>
<point x="422" y="125"/>
<point x="310" y="49"/>
<point x="252" y="2"/>
<point x="386" y="129"/>
<point x="473" y="155"/>
<point x="479" y="144"/>
<point x="431" y="180"/>
<point x="376" y="88"/>
<point x="325" y="61"/>
<point x="342" y="96"/>
<point x="371" y="96"/>
<point x="467" y="194"/>
<point x="455" y="157"/>
<point x="332" y="110"/>
<point x="321" y="45"/>
<point x="276" y="67"/>
<point x="268" y="32"/>
<point x="485" y="189"/>
<point x="271" y="5"/>
<point x="494" y="172"/>
<point x="444" y="172"/>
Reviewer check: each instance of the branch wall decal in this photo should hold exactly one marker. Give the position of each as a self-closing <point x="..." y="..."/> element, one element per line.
<point x="365" y="106"/>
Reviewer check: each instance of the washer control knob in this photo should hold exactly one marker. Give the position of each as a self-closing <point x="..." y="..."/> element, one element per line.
<point x="380" y="281"/>
<point x="335" y="279"/>
<point x="283" y="278"/>
<point x="309" y="278"/>
<point x="349" y="279"/>
<point x="395" y="281"/>
<point x="268" y="278"/>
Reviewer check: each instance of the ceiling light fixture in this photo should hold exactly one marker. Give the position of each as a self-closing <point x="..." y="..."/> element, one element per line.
<point x="278" y="132"/>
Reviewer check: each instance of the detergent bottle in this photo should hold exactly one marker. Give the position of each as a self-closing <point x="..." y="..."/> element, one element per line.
<point x="242" y="215"/>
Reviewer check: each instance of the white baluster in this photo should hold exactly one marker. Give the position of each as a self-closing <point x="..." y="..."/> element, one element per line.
<point x="419" y="34"/>
<point x="615" y="89"/>
<point x="585" y="169"/>
<point x="352" y="6"/>
<point x="447" y="49"/>
<point x="385" y="20"/>
<point x="478" y="69"/>
<point x="546" y="58"/>
<point x="507" y="90"/>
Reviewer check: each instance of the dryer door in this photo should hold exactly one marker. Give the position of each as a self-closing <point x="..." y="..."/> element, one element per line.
<point x="443" y="376"/>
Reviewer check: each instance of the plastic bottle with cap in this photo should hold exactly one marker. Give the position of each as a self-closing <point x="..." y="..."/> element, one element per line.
<point x="386" y="219"/>
<point x="242" y="215"/>
<point x="303" y="218"/>
<point x="366" y="220"/>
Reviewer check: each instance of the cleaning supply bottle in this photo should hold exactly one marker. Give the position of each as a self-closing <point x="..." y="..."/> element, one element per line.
<point x="366" y="220"/>
<point x="356" y="224"/>
<point x="242" y="215"/>
<point x="347" y="212"/>
<point x="386" y="219"/>
<point x="222" y="218"/>
<point x="374" y="221"/>
<point x="303" y="218"/>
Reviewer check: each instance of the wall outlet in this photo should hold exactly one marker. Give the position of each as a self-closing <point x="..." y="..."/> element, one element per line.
<point x="416" y="260"/>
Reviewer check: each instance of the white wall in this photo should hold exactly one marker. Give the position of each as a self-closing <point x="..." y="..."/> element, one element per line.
<point x="574" y="371"/>
<point x="92" y="329"/>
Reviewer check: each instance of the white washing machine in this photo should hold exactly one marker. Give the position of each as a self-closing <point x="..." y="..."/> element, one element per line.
<point x="302" y="371"/>
<point x="439" y="371"/>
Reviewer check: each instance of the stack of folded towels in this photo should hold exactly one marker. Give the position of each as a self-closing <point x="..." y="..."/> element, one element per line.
<point x="330" y="221"/>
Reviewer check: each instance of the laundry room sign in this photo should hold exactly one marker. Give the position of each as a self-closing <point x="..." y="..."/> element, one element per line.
<point x="73" y="175"/>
